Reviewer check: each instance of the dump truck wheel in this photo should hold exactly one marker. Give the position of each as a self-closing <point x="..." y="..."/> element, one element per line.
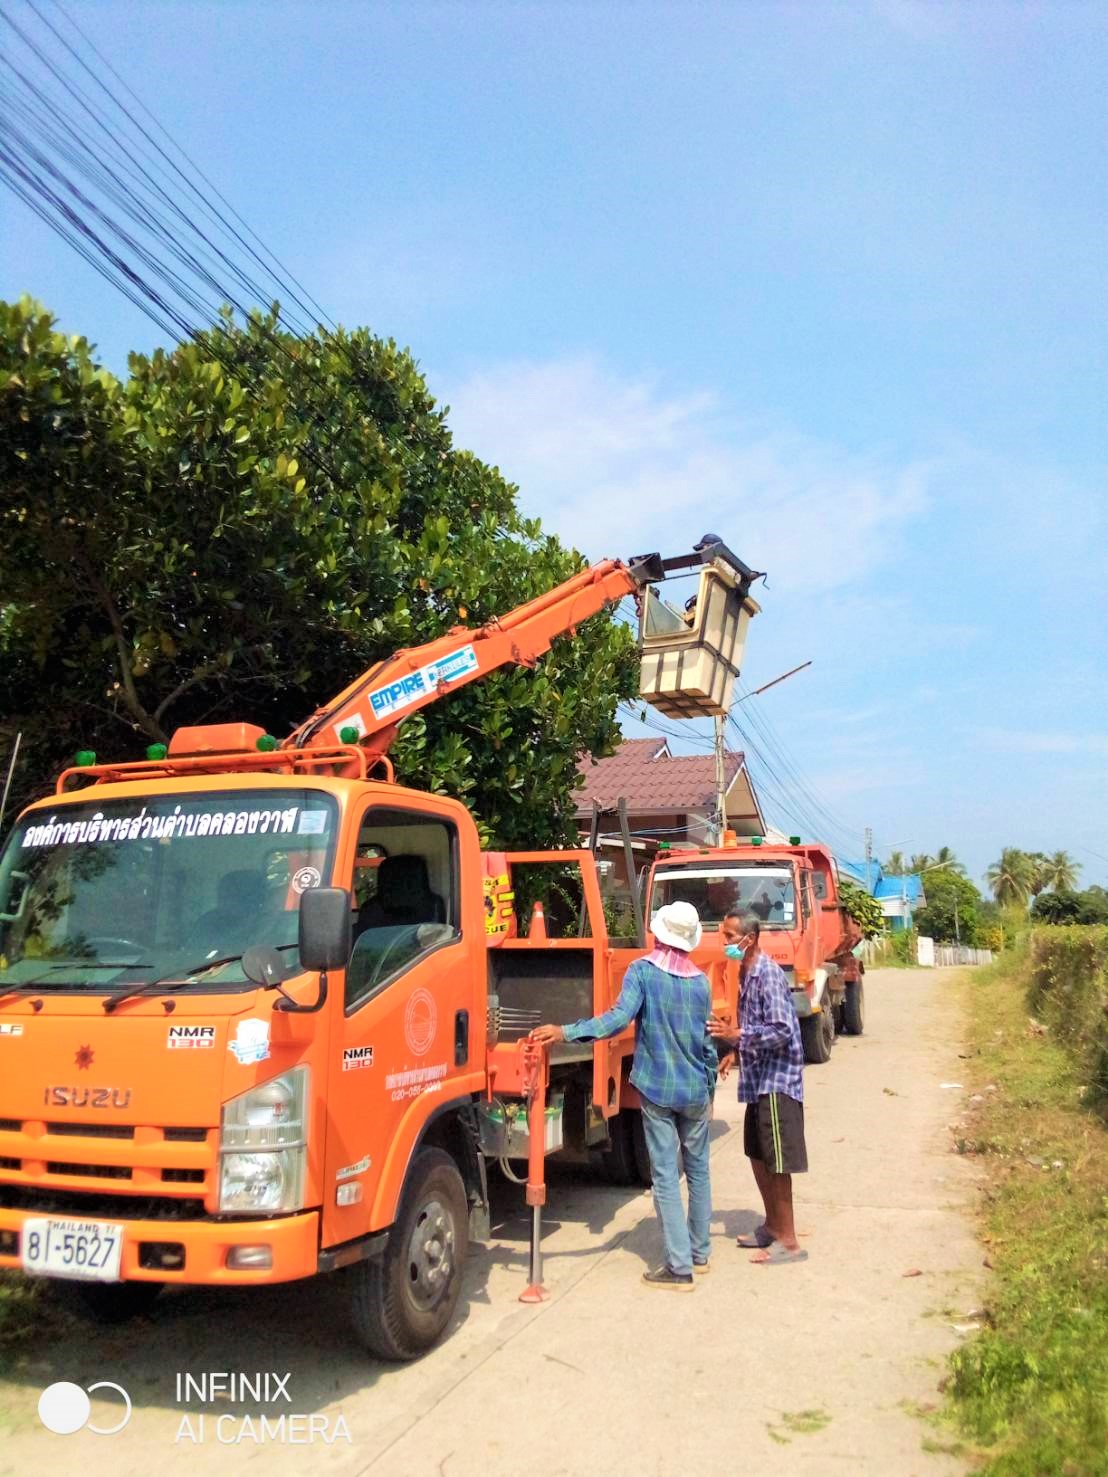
<point x="817" y="1032"/>
<point x="403" y="1300"/>
<point x="854" y="1009"/>
<point x="110" y="1302"/>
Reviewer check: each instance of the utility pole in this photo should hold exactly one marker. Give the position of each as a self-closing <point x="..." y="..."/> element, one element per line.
<point x="869" y="858"/>
<point x="721" y="784"/>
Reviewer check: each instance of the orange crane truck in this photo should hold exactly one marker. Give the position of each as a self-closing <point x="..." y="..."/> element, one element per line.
<point x="794" y="889"/>
<point x="262" y="1014"/>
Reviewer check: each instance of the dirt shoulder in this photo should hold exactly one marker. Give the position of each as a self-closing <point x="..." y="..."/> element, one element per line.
<point x="817" y="1366"/>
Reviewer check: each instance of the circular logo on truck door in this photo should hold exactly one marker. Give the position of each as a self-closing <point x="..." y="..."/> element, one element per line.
<point x="421" y="1017"/>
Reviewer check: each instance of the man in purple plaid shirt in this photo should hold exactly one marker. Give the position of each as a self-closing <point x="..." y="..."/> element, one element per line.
<point x="771" y="1084"/>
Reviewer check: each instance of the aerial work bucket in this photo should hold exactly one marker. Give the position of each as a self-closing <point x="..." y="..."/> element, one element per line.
<point x="690" y="662"/>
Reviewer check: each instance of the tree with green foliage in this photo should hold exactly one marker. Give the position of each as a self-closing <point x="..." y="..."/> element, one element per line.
<point x="1065" y="906"/>
<point x="243" y="526"/>
<point x="952" y="912"/>
<point x="1061" y="871"/>
<point x="945" y="857"/>
<point x="1012" y="877"/>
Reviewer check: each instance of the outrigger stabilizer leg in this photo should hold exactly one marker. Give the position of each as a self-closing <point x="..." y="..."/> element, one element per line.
<point x="535" y="1074"/>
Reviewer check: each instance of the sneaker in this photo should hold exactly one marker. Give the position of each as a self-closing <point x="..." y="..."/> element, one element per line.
<point x="663" y="1277"/>
<point x="702" y="1269"/>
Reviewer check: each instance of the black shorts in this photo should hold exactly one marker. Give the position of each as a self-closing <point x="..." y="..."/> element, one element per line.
<point x="774" y="1133"/>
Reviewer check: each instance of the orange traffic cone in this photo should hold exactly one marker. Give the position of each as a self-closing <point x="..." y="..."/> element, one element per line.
<point x="538" y="923"/>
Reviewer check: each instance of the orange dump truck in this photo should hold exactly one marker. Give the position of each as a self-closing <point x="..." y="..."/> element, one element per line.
<point x="794" y="889"/>
<point x="264" y="1012"/>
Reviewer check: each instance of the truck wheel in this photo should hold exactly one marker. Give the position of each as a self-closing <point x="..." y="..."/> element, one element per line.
<point x="404" y="1299"/>
<point x="109" y="1303"/>
<point x="817" y="1032"/>
<point x="854" y="1009"/>
<point x="618" y="1159"/>
<point x="643" y="1172"/>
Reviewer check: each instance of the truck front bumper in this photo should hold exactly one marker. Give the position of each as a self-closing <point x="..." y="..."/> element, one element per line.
<point x="802" y="1002"/>
<point x="194" y="1251"/>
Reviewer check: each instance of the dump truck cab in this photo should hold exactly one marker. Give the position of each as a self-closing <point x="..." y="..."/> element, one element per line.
<point x="793" y="890"/>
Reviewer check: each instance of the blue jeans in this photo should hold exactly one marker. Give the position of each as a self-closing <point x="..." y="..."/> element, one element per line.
<point x="671" y="1132"/>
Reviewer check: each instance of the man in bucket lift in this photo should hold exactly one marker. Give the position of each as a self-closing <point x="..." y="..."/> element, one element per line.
<point x="674" y="1071"/>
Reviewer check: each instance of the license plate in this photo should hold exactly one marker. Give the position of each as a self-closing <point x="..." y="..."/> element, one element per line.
<point x="89" y="1250"/>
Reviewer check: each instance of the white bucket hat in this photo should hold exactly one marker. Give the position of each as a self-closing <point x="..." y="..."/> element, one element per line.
<point x="677" y="925"/>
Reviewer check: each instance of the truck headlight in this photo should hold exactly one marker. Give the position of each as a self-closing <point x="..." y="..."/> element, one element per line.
<point x="263" y="1148"/>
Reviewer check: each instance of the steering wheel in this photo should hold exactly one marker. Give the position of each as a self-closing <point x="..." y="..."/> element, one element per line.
<point x="127" y="945"/>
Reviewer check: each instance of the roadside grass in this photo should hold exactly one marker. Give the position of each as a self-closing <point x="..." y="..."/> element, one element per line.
<point x="28" y="1314"/>
<point x="1030" y="1391"/>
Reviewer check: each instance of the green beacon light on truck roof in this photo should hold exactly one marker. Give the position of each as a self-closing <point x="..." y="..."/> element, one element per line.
<point x="756" y="840"/>
<point x="266" y="744"/>
<point x="349" y="734"/>
<point x="84" y="758"/>
<point x="794" y="840"/>
<point x="156" y="752"/>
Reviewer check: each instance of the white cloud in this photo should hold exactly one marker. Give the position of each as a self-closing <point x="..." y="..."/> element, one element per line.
<point x="617" y="466"/>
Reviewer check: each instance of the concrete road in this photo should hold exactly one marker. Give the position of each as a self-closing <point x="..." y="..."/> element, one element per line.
<point x="811" y="1368"/>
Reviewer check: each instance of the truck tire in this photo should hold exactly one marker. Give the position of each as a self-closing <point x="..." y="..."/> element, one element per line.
<point x="109" y="1303"/>
<point x="404" y="1299"/>
<point x="643" y="1172"/>
<point x="817" y="1032"/>
<point x="618" y="1160"/>
<point x="854" y="1009"/>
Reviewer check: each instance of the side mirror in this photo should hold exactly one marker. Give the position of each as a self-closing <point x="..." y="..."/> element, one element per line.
<point x="325" y="928"/>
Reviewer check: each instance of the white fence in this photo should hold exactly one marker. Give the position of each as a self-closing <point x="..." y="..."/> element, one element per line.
<point x="930" y="954"/>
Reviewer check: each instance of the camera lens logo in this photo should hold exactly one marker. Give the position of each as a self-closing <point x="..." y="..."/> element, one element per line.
<point x="65" y="1408"/>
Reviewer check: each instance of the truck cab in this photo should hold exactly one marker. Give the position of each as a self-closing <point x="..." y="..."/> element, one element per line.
<point x="793" y="890"/>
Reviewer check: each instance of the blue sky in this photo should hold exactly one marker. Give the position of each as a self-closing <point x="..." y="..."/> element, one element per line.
<point x="828" y="279"/>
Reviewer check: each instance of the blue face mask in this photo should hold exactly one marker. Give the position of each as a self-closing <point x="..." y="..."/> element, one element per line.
<point x="734" y="951"/>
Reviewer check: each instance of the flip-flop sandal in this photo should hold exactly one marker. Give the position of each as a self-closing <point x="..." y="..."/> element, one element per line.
<point x="756" y="1240"/>
<point x="776" y="1255"/>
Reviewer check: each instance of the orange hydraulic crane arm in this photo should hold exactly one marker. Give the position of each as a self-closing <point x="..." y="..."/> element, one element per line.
<point x="371" y="709"/>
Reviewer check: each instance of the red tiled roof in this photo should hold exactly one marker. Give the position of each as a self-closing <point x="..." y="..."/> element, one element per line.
<point x="651" y="779"/>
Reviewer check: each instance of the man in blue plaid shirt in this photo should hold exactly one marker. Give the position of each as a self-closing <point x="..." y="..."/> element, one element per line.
<point x="674" y="1070"/>
<point x="771" y="1084"/>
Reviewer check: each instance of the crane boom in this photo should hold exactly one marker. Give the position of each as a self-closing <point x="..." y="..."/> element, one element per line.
<point x="377" y="702"/>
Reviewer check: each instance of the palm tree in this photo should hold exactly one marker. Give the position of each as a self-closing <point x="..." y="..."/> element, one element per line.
<point x="895" y="866"/>
<point x="944" y="857"/>
<point x="920" y="863"/>
<point x="1040" y="881"/>
<point x="1060" y="871"/>
<point x="1011" y="878"/>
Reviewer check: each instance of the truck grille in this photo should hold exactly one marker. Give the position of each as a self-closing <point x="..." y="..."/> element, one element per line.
<point x="90" y="1171"/>
<point x="90" y="1130"/>
<point x="148" y="1163"/>
<point x="111" y="1207"/>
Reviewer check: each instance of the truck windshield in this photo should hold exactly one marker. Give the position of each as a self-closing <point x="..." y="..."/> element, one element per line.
<point x="100" y="894"/>
<point x="714" y="891"/>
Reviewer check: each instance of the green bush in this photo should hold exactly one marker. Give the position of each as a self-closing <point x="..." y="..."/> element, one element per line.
<point x="1069" y="993"/>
